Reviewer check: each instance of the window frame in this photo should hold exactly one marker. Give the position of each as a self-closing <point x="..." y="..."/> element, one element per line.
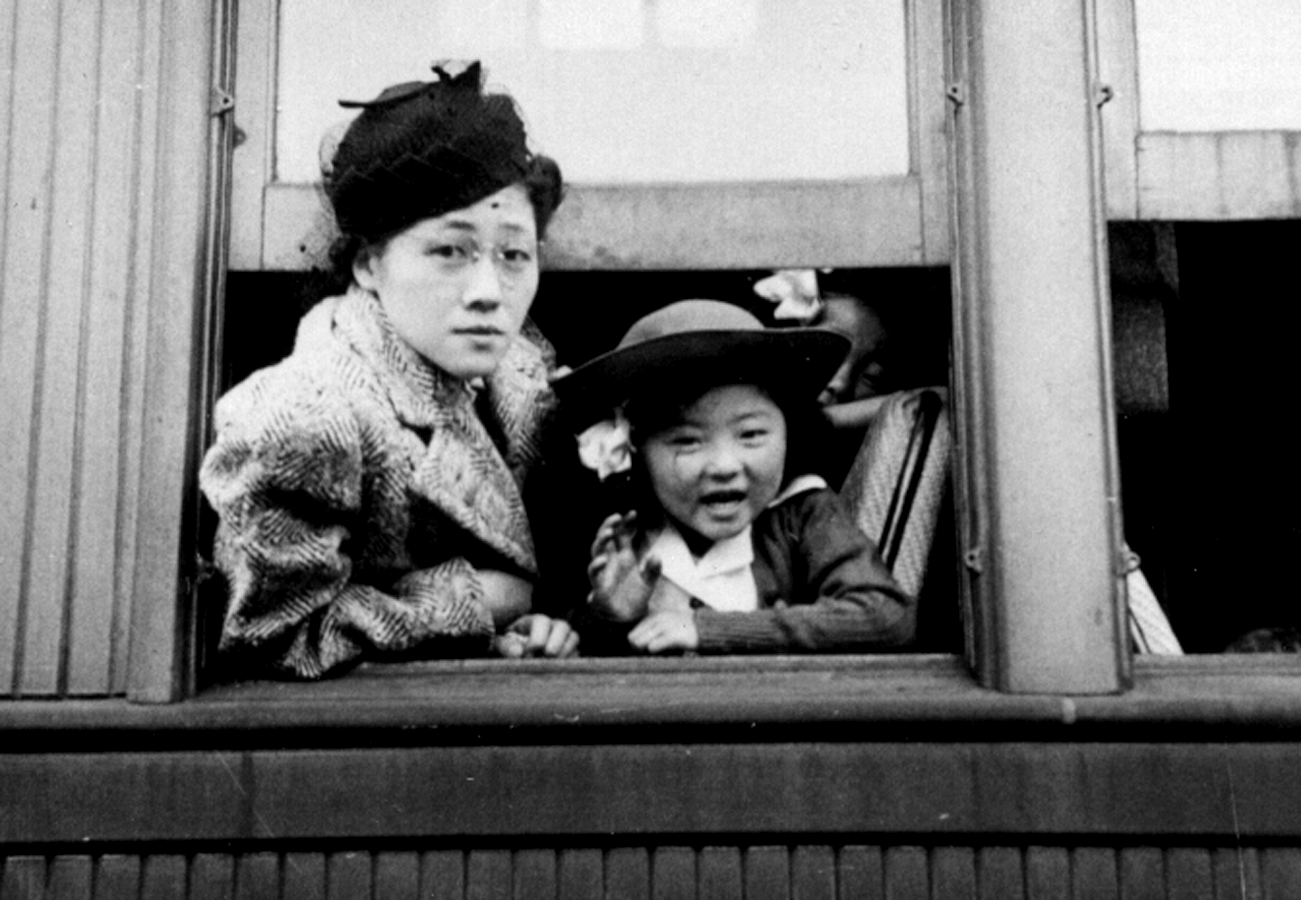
<point x="1002" y="652"/>
<point x="1184" y="175"/>
<point x="887" y="221"/>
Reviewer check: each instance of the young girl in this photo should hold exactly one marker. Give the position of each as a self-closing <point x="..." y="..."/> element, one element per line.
<point x="370" y="485"/>
<point x="733" y="545"/>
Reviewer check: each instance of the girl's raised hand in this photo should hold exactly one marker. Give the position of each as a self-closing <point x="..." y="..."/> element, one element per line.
<point x="621" y="583"/>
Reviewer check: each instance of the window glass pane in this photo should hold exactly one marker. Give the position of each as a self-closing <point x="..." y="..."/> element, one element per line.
<point x="690" y="90"/>
<point x="1208" y="65"/>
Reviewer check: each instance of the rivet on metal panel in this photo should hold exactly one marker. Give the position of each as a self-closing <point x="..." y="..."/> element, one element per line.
<point x="972" y="559"/>
<point x="222" y="101"/>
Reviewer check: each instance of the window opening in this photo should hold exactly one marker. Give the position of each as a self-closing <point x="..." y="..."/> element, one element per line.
<point x="583" y="314"/>
<point x="1203" y="330"/>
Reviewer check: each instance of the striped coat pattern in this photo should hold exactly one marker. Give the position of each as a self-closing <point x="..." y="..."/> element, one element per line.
<point x="358" y="489"/>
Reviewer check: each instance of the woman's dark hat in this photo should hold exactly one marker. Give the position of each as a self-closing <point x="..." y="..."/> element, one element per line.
<point x="424" y="148"/>
<point x="699" y="344"/>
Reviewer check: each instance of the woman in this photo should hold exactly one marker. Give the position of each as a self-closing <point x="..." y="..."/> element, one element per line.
<point x="369" y="485"/>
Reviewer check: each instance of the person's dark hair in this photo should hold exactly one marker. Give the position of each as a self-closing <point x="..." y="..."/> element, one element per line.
<point x="422" y="149"/>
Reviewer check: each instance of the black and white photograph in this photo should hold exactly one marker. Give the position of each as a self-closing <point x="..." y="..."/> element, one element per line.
<point x="649" y="449"/>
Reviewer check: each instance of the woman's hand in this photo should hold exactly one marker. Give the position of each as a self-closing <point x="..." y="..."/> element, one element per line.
<point x="538" y="635"/>
<point x="621" y="583"/>
<point x="663" y="631"/>
<point x="505" y="596"/>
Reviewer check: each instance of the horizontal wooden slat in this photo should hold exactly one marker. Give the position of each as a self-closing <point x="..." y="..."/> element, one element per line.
<point x="725" y="226"/>
<point x="1219" y="175"/>
<point x="567" y="700"/>
<point x="1099" y="789"/>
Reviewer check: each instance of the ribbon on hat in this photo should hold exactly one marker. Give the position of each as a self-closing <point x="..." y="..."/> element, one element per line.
<point x="394" y="94"/>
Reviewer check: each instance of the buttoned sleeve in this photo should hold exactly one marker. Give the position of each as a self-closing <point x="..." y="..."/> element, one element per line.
<point x="822" y="586"/>
<point x="287" y="479"/>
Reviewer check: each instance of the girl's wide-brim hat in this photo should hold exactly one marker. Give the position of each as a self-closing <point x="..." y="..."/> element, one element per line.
<point x="700" y="344"/>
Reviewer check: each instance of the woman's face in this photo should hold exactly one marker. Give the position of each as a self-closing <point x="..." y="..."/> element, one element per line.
<point x="719" y="464"/>
<point x="457" y="287"/>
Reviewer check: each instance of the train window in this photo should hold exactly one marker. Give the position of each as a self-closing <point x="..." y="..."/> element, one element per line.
<point x="1203" y="336"/>
<point x="866" y="200"/>
<point x="790" y="114"/>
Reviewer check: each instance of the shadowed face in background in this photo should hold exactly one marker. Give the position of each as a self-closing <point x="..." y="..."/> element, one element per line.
<point x="864" y="372"/>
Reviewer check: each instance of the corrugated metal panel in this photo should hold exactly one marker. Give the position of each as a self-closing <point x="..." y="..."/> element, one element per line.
<point x="709" y="873"/>
<point x="79" y="96"/>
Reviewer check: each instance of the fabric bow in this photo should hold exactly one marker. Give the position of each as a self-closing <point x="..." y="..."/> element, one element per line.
<point x="795" y="291"/>
<point x="606" y="447"/>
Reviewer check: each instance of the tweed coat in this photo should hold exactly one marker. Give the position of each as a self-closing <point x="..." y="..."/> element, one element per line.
<point x="359" y="488"/>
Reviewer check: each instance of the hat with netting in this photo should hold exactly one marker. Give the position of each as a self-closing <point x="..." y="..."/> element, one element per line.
<point x="424" y="148"/>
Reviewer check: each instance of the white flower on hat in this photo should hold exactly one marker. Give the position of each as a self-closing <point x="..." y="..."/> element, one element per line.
<point x="795" y="291"/>
<point x="606" y="447"/>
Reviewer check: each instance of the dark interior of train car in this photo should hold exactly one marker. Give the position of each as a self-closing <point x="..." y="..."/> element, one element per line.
<point x="1202" y="328"/>
<point x="1205" y="324"/>
<point x="585" y="313"/>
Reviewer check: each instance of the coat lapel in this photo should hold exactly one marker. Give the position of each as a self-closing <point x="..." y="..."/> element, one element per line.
<point x="462" y="471"/>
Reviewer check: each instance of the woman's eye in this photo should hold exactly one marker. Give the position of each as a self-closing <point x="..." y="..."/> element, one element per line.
<point x="447" y="251"/>
<point x="516" y="257"/>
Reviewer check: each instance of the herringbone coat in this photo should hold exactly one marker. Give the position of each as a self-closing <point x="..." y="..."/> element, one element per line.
<point x="358" y="488"/>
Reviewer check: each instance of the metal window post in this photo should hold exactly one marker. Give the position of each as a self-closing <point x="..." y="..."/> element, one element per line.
<point x="1042" y="534"/>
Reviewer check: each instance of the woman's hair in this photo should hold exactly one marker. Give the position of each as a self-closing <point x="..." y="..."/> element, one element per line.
<point x="422" y="149"/>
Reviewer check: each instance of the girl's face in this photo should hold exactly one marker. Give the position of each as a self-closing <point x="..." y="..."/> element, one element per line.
<point x="458" y="286"/>
<point x="720" y="463"/>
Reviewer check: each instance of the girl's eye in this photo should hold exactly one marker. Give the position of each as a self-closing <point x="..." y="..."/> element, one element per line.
<point x="683" y="441"/>
<point x="754" y="434"/>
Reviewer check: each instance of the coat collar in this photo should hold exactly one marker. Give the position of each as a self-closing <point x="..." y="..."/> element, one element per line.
<point x="481" y="438"/>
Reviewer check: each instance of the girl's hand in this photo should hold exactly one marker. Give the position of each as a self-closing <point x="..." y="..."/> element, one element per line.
<point x="621" y="583"/>
<point x="662" y="631"/>
<point x="538" y="635"/>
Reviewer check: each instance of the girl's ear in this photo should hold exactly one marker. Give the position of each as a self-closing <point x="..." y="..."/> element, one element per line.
<point x="364" y="265"/>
